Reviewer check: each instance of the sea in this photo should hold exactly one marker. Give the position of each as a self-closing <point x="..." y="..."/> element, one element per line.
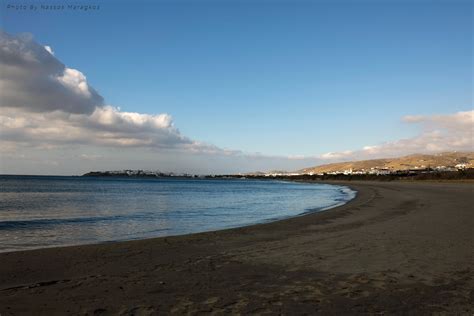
<point x="51" y="211"/>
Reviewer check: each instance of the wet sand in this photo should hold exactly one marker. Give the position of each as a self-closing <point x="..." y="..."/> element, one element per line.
<point x="397" y="248"/>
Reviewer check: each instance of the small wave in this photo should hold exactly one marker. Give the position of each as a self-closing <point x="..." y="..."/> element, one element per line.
<point x="40" y="223"/>
<point x="136" y="209"/>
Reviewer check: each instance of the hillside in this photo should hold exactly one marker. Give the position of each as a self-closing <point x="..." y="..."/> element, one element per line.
<point x="417" y="161"/>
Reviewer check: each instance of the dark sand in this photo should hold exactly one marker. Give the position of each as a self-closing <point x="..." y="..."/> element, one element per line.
<point x="398" y="248"/>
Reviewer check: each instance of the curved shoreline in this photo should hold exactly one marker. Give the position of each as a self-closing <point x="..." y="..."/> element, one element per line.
<point x="395" y="248"/>
<point x="339" y="201"/>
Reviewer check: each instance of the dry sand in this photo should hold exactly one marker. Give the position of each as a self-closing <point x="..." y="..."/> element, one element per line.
<point x="398" y="248"/>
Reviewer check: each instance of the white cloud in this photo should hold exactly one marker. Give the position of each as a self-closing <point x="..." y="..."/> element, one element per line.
<point x="113" y="118"/>
<point x="458" y="122"/>
<point x="106" y="126"/>
<point x="336" y="155"/>
<point x="46" y="104"/>
<point x="76" y="81"/>
<point x="32" y="78"/>
<point x="49" y="49"/>
<point x="449" y="132"/>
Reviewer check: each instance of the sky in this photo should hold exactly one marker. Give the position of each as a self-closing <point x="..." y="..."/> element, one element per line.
<point x="232" y="86"/>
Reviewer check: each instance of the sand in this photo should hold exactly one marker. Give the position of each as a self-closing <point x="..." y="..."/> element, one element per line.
<point x="398" y="248"/>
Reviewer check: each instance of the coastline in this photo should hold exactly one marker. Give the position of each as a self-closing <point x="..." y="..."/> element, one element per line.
<point x="165" y="208"/>
<point x="395" y="248"/>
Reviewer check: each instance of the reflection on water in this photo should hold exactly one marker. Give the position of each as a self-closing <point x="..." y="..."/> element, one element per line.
<point x="40" y="212"/>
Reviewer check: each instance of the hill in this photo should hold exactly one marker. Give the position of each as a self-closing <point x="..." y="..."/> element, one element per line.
<point x="443" y="161"/>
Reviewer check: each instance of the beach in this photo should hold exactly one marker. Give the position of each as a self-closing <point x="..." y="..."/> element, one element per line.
<point x="397" y="248"/>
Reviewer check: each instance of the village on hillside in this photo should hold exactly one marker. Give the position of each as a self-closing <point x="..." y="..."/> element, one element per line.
<point x="407" y="166"/>
<point x="377" y="171"/>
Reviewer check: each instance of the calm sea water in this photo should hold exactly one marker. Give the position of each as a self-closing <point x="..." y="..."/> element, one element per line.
<point x="37" y="212"/>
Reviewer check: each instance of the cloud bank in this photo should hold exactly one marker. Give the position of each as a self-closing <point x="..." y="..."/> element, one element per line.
<point x="46" y="104"/>
<point x="449" y="132"/>
<point x="32" y="79"/>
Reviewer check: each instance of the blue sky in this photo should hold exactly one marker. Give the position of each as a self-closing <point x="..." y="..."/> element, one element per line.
<point x="280" y="78"/>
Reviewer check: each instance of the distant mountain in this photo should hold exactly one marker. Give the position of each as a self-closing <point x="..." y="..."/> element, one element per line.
<point x="443" y="161"/>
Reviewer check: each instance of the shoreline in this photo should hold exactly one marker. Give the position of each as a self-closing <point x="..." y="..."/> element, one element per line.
<point x="395" y="248"/>
<point x="337" y="203"/>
